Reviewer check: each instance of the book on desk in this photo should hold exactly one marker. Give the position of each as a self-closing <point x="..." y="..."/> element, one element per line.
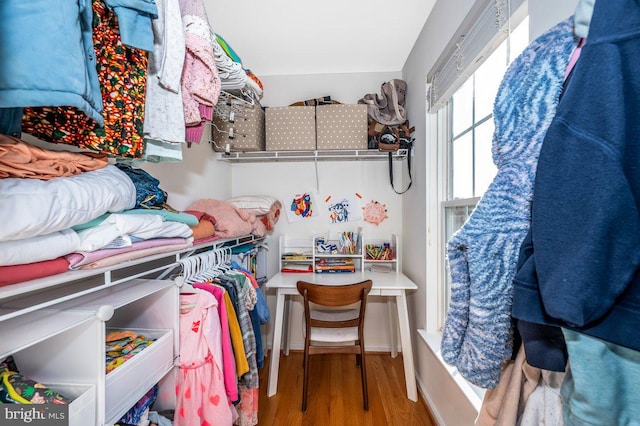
<point x="334" y="265"/>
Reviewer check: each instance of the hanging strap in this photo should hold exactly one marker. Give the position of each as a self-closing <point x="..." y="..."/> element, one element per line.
<point x="391" y="171"/>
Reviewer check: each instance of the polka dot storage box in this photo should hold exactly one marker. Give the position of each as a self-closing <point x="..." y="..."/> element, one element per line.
<point x="341" y="126"/>
<point x="291" y="128"/>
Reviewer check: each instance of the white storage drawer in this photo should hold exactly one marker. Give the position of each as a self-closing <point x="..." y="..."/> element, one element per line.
<point x="126" y="384"/>
<point x="82" y="410"/>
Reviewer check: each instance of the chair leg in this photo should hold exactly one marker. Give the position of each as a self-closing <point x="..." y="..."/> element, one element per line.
<point x="305" y="381"/>
<point x="358" y="357"/>
<point x="363" y="372"/>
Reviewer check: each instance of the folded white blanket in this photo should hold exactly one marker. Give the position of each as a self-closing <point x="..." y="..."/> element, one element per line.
<point x="31" y="207"/>
<point x="55" y="244"/>
<point x="39" y="248"/>
<point x="142" y="226"/>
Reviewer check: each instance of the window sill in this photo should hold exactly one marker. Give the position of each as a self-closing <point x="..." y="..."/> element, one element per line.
<point x="473" y="393"/>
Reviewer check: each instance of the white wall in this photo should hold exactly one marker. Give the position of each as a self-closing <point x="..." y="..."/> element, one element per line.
<point x="448" y="401"/>
<point x="370" y="179"/>
<point x="197" y="176"/>
<point x="346" y="88"/>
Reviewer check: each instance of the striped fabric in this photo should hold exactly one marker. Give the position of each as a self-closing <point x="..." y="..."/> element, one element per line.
<point x="478" y="334"/>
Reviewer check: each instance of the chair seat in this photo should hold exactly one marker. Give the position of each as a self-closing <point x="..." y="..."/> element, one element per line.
<point x="334" y="335"/>
<point x="334" y="315"/>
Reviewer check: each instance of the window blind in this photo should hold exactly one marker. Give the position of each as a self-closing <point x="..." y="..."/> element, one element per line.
<point x="486" y="25"/>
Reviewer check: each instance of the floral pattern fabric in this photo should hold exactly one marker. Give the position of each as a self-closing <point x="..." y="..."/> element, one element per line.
<point x="122" y="72"/>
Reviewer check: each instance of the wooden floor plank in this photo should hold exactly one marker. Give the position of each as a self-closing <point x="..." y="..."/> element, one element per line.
<point x="335" y="393"/>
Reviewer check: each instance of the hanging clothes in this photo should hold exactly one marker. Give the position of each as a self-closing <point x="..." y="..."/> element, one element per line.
<point x="248" y="387"/>
<point x="200" y="80"/>
<point x="164" y="128"/>
<point x="602" y="385"/>
<point x="477" y="336"/>
<point x="583" y="270"/>
<point x="201" y="394"/>
<point x="122" y="73"/>
<point x="32" y="41"/>
<point x="228" y="360"/>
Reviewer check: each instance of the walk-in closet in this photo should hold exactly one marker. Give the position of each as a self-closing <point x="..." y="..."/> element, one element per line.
<point x="180" y="181"/>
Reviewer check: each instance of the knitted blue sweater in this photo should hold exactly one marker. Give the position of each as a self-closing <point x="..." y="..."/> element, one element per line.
<point x="483" y="254"/>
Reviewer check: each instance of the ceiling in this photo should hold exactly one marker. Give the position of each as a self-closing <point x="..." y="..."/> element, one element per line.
<point x="282" y="37"/>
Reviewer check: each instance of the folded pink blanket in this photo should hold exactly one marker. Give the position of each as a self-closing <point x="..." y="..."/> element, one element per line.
<point x="272" y="216"/>
<point x="19" y="159"/>
<point x="136" y="254"/>
<point x="78" y="259"/>
<point x="230" y="220"/>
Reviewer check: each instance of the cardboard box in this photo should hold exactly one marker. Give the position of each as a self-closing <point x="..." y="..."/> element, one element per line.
<point x="290" y="128"/>
<point x="341" y="126"/>
<point x="239" y="125"/>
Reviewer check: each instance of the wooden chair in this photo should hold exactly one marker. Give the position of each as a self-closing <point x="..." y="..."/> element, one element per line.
<point x="340" y="330"/>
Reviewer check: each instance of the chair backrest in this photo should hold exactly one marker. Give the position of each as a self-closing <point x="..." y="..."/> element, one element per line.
<point x="334" y="296"/>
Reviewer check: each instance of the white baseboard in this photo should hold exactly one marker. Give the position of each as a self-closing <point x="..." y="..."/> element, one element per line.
<point x="433" y="409"/>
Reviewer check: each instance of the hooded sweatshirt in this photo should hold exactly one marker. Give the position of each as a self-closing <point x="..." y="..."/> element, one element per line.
<point x="477" y="336"/>
<point x="582" y="271"/>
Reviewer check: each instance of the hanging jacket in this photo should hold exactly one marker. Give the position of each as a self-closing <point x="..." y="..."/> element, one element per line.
<point x="477" y="336"/>
<point x="583" y="272"/>
<point x="47" y="56"/>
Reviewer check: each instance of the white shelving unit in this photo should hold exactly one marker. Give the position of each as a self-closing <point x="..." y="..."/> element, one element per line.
<point x="302" y="253"/>
<point x="65" y="345"/>
<point x="295" y="253"/>
<point x="324" y="155"/>
<point x="390" y="262"/>
<point x="55" y="329"/>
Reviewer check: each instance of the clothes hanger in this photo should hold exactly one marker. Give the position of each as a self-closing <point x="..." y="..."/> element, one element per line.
<point x="228" y="97"/>
<point x="209" y="271"/>
<point x="185" y="263"/>
<point x="225" y="259"/>
<point x="186" y="290"/>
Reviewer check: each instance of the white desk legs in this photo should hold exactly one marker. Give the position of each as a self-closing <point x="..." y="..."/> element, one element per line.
<point x="393" y="337"/>
<point x="274" y="365"/>
<point x="407" y="351"/>
<point x="288" y="305"/>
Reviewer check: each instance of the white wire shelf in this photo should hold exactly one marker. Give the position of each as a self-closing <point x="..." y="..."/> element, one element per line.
<point x="325" y="155"/>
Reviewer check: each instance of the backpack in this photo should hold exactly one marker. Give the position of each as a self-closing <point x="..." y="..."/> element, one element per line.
<point x="387" y="108"/>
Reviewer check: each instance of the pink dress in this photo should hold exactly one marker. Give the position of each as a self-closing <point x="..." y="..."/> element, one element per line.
<point x="200" y="391"/>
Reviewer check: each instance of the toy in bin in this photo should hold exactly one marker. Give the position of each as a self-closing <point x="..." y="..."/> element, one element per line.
<point x="325" y="247"/>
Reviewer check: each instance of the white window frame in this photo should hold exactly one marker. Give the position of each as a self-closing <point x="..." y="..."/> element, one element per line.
<point x="438" y="177"/>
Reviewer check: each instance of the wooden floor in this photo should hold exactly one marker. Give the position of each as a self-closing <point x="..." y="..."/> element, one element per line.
<point x="335" y="394"/>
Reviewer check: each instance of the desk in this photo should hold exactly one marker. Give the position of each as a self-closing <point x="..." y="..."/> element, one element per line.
<point x="388" y="284"/>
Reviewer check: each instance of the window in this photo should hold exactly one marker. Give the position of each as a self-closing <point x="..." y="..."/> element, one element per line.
<point x="467" y="138"/>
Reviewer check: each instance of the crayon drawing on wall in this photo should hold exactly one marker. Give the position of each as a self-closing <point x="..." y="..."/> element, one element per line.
<point x="344" y="209"/>
<point x="302" y="206"/>
<point x="375" y="212"/>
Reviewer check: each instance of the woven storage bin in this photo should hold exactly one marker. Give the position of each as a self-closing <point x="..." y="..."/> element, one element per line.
<point x="239" y="124"/>
<point x="341" y="126"/>
<point x="291" y="128"/>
